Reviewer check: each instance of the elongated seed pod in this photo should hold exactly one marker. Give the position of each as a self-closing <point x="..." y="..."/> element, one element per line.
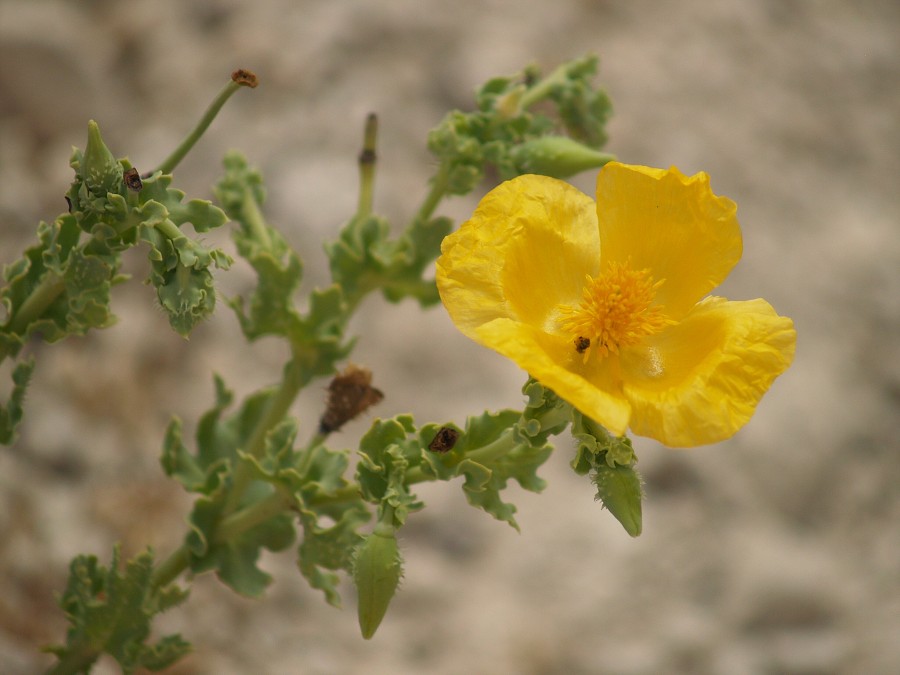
<point x="377" y="570"/>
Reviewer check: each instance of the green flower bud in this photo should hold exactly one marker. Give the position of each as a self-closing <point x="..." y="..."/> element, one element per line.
<point x="619" y="488"/>
<point x="377" y="568"/>
<point x="99" y="169"/>
<point x="557" y="157"/>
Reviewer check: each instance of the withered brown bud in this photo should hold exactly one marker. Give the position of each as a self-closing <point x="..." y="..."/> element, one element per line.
<point x="245" y="78"/>
<point x="444" y="440"/>
<point x="133" y="180"/>
<point x="350" y="393"/>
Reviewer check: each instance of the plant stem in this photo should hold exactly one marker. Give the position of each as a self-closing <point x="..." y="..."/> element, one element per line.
<point x="543" y="89"/>
<point x="438" y="191"/>
<point x="252" y="217"/>
<point x="170" y="230"/>
<point x="294" y="379"/>
<point x="367" y="167"/>
<point x="75" y="662"/>
<point x="37" y="302"/>
<point x="241" y="521"/>
<point x="34" y="306"/>
<point x="169" y="164"/>
<point x="169" y="569"/>
<point x="232" y="526"/>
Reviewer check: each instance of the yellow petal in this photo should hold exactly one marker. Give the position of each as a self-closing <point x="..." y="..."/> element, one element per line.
<point x="700" y="381"/>
<point x="671" y="224"/>
<point x="525" y="250"/>
<point x="551" y="359"/>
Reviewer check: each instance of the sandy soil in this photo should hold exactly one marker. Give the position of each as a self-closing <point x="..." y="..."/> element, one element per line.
<point x="776" y="552"/>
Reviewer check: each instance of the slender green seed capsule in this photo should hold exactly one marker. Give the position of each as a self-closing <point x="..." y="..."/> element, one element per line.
<point x="377" y="570"/>
<point x="99" y="169"/>
<point x="619" y="488"/>
<point x="557" y="157"/>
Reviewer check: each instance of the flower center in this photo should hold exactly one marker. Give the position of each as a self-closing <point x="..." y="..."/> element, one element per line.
<point x="616" y="311"/>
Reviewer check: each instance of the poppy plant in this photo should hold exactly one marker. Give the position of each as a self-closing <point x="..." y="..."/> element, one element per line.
<point x="607" y="303"/>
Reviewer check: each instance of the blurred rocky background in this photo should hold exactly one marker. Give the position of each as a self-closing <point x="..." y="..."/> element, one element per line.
<point x="775" y="552"/>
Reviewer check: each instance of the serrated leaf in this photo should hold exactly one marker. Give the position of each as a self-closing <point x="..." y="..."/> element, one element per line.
<point x="111" y="612"/>
<point x="596" y="445"/>
<point x="234" y="560"/>
<point x="365" y="258"/>
<point x="165" y="652"/>
<point x="202" y="214"/>
<point x="325" y="549"/>
<point x="611" y="459"/>
<point x="279" y="271"/>
<point x="158" y="200"/>
<point x="11" y="412"/>
<point x="317" y="339"/>
<point x="484" y="482"/>
<point x="178" y="462"/>
<point x="220" y="440"/>
<point x="386" y="453"/>
<point x="180" y="272"/>
<point x="486" y="478"/>
<point x="240" y="184"/>
<point x="70" y="286"/>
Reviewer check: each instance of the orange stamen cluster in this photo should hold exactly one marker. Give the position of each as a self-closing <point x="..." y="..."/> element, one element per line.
<point x="616" y="311"/>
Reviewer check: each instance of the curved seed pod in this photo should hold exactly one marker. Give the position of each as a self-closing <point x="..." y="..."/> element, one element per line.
<point x="619" y="488"/>
<point x="557" y="156"/>
<point x="377" y="570"/>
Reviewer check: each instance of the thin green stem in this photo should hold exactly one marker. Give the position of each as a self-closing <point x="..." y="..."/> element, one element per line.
<point x="34" y="306"/>
<point x="504" y="443"/>
<point x="241" y="521"/>
<point x="169" y="164"/>
<point x="232" y="526"/>
<point x="555" y="416"/>
<point x="315" y="441"/>
<point x="367" y="168"/>
<point x="306" y="453"/>
<point x="37" y="302"/>
<point x="438" y="191"/>
<point x="252" y="217"/>
<point x="385" y="525"/>
<point x="169" y="569"/>
<point x="345" y="494"/>
<point x="170" y="230"/>
<point x="543" y="89"/>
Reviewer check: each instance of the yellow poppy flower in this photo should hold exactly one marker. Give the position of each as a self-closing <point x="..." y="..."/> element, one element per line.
<point x="606" y="303"/>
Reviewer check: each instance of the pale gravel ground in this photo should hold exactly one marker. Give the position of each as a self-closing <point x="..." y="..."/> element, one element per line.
<point x="776" y="552"/>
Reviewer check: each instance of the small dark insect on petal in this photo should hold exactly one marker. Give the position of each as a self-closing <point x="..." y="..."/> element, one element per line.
<point x="581" y="344"/>
<point x="444" y="440"/>
<point x="133" y="180"/>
